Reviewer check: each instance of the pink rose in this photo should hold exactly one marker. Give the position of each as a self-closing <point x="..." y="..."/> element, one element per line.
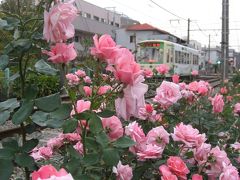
<point x="79" y="147"/>
<point x="150" y="151"/>
<point x="135" y="132"/>
<point x="45" y="152"/>
<point x="236" y="146"/>
<point x="146" y="112"/>
<point x="61" y="53"/>
<point x="148" y="73"/>
<point x="87" y="90"/>
<point x="217" y="103"/>
<point x="229" y="98"/>
<point x="175" y="78"/>
<point x="223" y="90"/>
<point x="237" y="109"/>
<point x="48" y="172"/>
<point x="123" y="172"/>
<point x="56" y="142"/>
<point x="133" y="99"/>
<point x="113" y="127"/>
<point x="105" y="48"/>
<point x="82" y="106"/>
<point x="126" y="69"/>
<point x="71" y="136"/>
<point x="87" y="80"/>
<point x="219" y="158"/>
<point x="167" y="94"/>
<point x="201" y="153"/>
<point x="193" y="86"/>
<point x="162" y="69"/>
<point x="188" y="135"/>
<point x="229" y="173"/>
<point x="183" y="86"/>
<point x="58" y="25"/>
<point x="177" y="167"/>
<point x="197" y="177"/>
<point x="194" y="72"/>
<point x="188" y="95"/>
<point x="202" y="88"/>
<point x="80" y="73"/>
<point x="103" y="90"/>
<point x="72" y="79"/>
<point x="169" y="177"/>
<point x="158" y="136"/>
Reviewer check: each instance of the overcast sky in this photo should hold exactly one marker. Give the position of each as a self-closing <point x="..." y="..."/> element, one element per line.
<point x="204" y="14"/>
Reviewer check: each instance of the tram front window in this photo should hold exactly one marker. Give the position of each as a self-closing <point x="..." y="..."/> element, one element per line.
<point x="147" y="54"/>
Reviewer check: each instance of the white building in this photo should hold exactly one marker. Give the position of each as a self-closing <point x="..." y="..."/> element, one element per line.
<point x="130" y="36"/>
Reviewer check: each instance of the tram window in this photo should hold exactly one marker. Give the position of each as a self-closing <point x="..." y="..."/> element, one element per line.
<point x="187" y="58"/>
<point x="168" y="56"/>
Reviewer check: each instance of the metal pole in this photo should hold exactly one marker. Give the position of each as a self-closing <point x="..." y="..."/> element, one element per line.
<point x="209" y="53"/>
<point x="188" y="31"/>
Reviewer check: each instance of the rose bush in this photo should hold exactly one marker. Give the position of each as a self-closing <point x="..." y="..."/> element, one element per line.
<point x="110" y="131"/>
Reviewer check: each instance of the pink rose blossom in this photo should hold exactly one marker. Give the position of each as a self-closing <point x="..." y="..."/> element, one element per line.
<point x="56" y="142"/>
<point x="194" y="72"/>
<point x="175" y="78"/>
<point x="148" y="73"/>
<point x="236" y="146"/>
<point x="188" y="95"/>
<point x="58" y="25"/>
<point x="82" y="106"/>
<point x="201" y="153"/>
<point x="80" y="73"/>
<point x="72" y="79"/>
<point x="71" y="136"/>
<point x="87" y="90"/>
<point x="229" y="98"/>
<point x="223" y="90"/>
<point x="169" y="177"/>
<point x="193" y="86"/>
<point x="237" y="109"/>
<point x="219" y="158"/>
<point x="103" y="89"/>
<point x="197" y="177"/>
<point x="123" y="172"/>
<point x="166" y="173"/>
<point x="217" y="103"/>
<point x="87" y="80"/>
<point x="79" y="147"/>
<point x="48" y="172"/>
<point x="135" y="132"/>
<point x="133" y="99"/>
<point x="202" y="88"/>
<point x="146" y="112"/>
<point x="113" y="127"/>
<point x="229" y="173"/>
<point x="167" y="94"/>
<point x="150" y="151"/>
<point x="162" y="69"/>
<point x="188" y="135"/>
<point x="158" y="136"/>
<point x="177" y="167"/>
<point x="105" y="48"/>
<point x="45" y="152"/>
<point x="61" y="53"/>
<point x="183" y="86"/>
<point x="126" y="69"/>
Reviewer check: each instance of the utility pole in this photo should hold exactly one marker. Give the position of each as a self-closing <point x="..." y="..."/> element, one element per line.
<point x="209" y="53"/>
<point x="188" y="31"/>
<point x="225" y="38"/>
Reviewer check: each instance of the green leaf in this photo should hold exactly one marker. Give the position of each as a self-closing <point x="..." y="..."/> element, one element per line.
<point x="95" y="124"/>
<point x="90" y="159"/>
<point x="23" y="113"/>
<point x="44" y="68"/>
<point x="31" y="92"/>
<point x="40" y="118"/>
<point x="22" y="44"/>
<point x="106" y="113"/>
<point x="11" y="144"/>
<point x="69" y="125"/>
<point x="29" y="145"/>
<point x="6" y="154"/>
<point x="49" y="103"/>
<point x="91" y="143"/>
<point x="124" y="142"/>
<point x="9" y="105"/>
<point x="24" y="160"/>
<point x="6" y="169"/>
<point x="4" y="116"/>
<point x="4" y="60"/>
<point x="63" y="112"/>
<point x="110" y="156"/>
<point x="102" y="139"/>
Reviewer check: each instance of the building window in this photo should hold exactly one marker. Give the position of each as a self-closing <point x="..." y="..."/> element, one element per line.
<point x="76" y="39"/>
<point x="86" y="15"/>
<point x="96" y="18"/>
<point x="103" y="20"/>
<point x="132" y="39"/>
<point x="112" y="23"/>
<point x="116" y="24"/>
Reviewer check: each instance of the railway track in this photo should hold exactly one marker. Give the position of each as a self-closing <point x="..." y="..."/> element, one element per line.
<point x="11" y="129"/>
